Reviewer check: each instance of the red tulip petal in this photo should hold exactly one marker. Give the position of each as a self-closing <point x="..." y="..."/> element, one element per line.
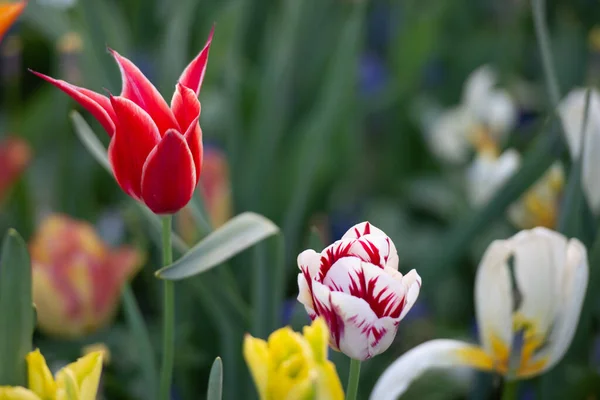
<point x="193" y="137"/>
<point x="169" y="176"/>
<point x="193" y="74"/>
<point x="135" y="137"/>
<point x="98" y="105"/>
<point x="185" y="106"/>
<point x="137" y="88"/>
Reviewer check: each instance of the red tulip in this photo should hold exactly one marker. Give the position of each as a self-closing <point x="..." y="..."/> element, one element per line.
<point x="155" y="150"/>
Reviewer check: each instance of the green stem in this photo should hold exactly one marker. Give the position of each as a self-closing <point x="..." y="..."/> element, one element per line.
<point x="166" y="372"/>
<point x="510" y="390"/>
<point x="541" y="31"/>
<point x="138" y="327"/>
<point x="353" y="378"/>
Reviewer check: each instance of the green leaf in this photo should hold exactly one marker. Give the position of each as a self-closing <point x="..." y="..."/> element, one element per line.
<point x="139" y="330"/>
<point x="16" y="317"/>
<point x="90" y="140"/>
<point x="215" y="381"/>
<point x="238" y="234"/>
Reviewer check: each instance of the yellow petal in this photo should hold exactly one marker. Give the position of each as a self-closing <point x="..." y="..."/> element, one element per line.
<point x="67" y="386"/>
<point x="86" y="373"/>
<point x="17" y="393"/>
<point x="40" y="379"/>
<point x="317" y="336"/>
<point x="328" y="385"/>
<point x="256" y="354"/>
<point x="302" y="390"/>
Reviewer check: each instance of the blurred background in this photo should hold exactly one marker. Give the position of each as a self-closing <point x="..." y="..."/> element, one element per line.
<point x="318" y="114"/>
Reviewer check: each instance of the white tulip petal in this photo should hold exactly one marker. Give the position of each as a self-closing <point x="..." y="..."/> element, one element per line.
<point x="500" y="113"/>
<point x="440" y="353"/>
<point x="493" y="296"/>
<point x="539" y="257"/>
<point x="590" y="178"/>
<point x="304" y="293"/>
<point x="572" y="288"/>
<point x="322" y="302"/>
<point x="383" y="292"/>
<point x="448" y="138"/>
<point x="478" y="87"/>
<point x="572" y="111"/>
<point x="311" y="261"/>
<point x="412" y="283"/>
<point x="364" y="228"/>
<point x="364" y="334"/>
<point x="486" y="175"/>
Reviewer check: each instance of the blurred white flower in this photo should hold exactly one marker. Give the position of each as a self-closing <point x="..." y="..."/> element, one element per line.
<point x="60" y="4"/>
<point x="536" y="207"/>
<point x="488" y="173"/>
<point x="525" y="325"/>
<point x="571" y="111"/>
<point x="486" y="113"/>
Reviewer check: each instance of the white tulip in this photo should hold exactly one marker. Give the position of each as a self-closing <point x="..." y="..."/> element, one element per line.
<point x="572" y="110"/>
<point x="550" y="275"/>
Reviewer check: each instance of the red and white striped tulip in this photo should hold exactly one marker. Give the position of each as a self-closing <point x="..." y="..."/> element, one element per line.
<point x="155" y="150"/>
<point x="354" y="284"/>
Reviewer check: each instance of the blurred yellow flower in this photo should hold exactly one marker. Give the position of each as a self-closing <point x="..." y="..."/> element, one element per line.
<point x="538" y="206"/>
<point x="9" y="12"/>
<point x="77" y="279"/>
<point x="293" y="366"/>
<point x="77" y="381"/>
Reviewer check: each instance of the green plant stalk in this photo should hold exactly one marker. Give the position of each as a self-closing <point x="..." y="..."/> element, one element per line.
<point x="139" y="329"/>
<point x="510" y="390"/>
<point x="166" y="372"/>
<point x="543" y="38"/>
<point x="353" y="378"/>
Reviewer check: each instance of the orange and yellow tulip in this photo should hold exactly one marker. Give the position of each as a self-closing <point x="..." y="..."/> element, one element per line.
<point x="9" y="12"/>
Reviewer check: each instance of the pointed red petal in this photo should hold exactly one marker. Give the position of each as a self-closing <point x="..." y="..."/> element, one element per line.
<point x="98" y="105"/>
<point x="185" y="106"/>
<point x="193" y="74"/>
<point x="193" y="137"/>
<point x="169" y="176"/>
<point x="135" y="137"/>
<point x="137" y="88"/>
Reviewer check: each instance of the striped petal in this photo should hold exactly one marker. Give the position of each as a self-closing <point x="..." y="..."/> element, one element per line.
<point x="371" y="239"/>
<point x="137" y="88"/>
<point x="98" y="105"/>
<point x="440" y="353"/>
<point x="135" y="137"/>
<point x="169" y="175"/>
<point x="193" y="75"/>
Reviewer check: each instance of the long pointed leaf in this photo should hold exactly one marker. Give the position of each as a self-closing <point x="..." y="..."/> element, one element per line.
<point x="238" y="234"/>
<point x="17" y="316"/>
<point x="215" y="381"/>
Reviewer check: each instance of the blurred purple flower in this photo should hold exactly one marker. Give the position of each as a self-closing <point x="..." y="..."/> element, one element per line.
<point x="373" y="74"/>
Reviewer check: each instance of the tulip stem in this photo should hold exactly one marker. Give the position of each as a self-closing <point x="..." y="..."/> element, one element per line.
<point x="353" y="378"/>
<point x="509" y="391"/>
<point x="166" y="372"/>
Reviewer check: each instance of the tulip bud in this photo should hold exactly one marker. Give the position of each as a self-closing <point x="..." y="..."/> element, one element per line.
<point x="77" y="279"/>
<point x="354" y="284"/>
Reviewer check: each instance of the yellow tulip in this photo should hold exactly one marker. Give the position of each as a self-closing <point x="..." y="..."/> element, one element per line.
<point x="291" y="366"/>
<point x="76" y="381"/>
